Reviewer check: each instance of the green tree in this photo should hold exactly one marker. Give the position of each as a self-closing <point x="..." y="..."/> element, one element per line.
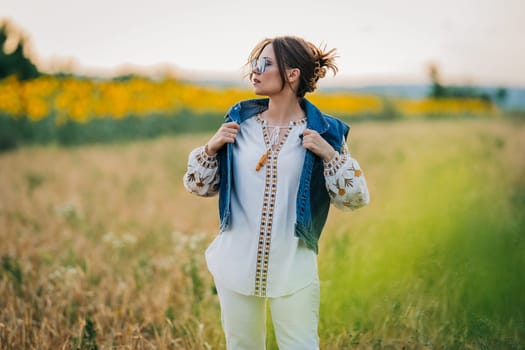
<point x="16" y="62"/>
<point x="438" y="90"/>
<point x="501" y="95"/>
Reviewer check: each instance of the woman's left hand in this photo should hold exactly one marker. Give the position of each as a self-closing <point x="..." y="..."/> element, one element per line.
<point x="313" y="142"/>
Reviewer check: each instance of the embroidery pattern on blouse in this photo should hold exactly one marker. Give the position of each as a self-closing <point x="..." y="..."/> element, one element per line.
<point x="274" y="146"/>
<point x="203" y="181"/>
<point x="346" y="187"/>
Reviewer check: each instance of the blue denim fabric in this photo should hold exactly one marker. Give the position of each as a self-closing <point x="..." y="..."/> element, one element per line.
<point x="313" y="201"/>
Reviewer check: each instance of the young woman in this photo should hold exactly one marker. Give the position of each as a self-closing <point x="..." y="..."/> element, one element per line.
<point x="277" y="163"/>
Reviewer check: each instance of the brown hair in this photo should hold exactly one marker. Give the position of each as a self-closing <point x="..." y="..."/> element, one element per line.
<point x="295" y="52"/>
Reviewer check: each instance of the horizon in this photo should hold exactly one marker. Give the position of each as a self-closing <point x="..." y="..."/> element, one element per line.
<point x="235" y="78"/>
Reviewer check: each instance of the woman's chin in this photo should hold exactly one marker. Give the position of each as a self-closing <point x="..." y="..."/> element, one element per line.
<point x="264" y="92"/>
<point x="259" y="92"/>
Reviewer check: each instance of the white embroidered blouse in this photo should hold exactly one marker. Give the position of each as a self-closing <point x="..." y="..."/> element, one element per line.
<point x="259" y="254"/>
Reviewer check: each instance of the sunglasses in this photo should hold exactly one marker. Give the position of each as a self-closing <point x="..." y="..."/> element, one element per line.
<point x="259" y="65"/>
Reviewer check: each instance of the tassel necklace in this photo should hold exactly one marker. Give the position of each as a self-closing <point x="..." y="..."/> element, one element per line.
<point x="273" y="142"/>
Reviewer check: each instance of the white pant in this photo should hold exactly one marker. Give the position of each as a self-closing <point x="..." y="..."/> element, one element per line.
<point x="294" y="317"/>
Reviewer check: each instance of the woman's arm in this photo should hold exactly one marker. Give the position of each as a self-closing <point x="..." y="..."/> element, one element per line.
<point x="345" y="181"/>
<point x="202" y="176"/>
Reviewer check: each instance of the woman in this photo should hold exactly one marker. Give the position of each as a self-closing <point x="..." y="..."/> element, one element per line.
<point x="277" y="163"/>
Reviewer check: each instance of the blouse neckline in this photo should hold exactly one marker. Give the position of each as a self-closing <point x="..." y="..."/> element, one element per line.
<point x="290" y="124"/>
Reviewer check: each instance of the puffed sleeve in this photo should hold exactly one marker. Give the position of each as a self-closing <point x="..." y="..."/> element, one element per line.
<point x="202" y="176"/>
<point x="345" y="181"/>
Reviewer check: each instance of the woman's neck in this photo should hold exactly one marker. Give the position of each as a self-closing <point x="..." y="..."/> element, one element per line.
<point x="282" y="110"/>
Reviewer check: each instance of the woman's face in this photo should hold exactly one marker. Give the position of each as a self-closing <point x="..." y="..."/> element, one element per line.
<point x="267" y="83"/>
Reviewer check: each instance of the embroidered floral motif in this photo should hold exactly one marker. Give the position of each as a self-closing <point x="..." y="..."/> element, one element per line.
<point x="190" y="177"/>
<point x="349" y="182"/>
<point x="344" y="181"/>
<point x="202" y="177"/>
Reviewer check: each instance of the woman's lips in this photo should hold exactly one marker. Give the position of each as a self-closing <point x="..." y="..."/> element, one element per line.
<point x="256" y="81"/>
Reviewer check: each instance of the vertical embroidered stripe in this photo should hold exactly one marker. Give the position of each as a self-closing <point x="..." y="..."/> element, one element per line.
<point x="265" y="231"/>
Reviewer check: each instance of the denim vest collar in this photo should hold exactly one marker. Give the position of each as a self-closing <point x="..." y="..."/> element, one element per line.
<point x="247" y="109"/>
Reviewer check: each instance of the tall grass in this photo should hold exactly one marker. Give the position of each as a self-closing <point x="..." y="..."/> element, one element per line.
<point x="101" y="247"/>
<point x="438" y="258"/>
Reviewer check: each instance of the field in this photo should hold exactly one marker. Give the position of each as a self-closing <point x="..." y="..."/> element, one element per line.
<point x="101" y="246"/>
<point x="75" y="110"/>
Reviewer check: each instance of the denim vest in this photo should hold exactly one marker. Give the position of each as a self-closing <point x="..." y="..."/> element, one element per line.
<point x="313" y="201"/>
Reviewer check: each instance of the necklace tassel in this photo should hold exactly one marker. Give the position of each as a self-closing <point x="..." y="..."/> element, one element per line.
<point x="262" y="160"/>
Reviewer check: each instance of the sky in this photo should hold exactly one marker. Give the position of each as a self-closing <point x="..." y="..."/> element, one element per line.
<point x="478" y="42"/>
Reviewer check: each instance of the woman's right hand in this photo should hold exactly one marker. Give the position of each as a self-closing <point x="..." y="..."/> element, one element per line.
<point x="226" y="134"/>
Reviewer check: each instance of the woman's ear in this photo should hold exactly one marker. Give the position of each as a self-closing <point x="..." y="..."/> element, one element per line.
<point x="293" y="74"/>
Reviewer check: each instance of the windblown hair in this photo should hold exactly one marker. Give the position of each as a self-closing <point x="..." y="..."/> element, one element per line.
<point x="295" y="52"/>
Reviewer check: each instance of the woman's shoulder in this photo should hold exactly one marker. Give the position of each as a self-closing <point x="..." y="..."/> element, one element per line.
<point x="336" y="122"/>
<point x="245" y="109"/>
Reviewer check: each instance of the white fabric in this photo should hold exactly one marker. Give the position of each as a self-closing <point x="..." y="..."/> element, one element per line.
<point x="295" y="319"/>
<point x="232" y="256"/>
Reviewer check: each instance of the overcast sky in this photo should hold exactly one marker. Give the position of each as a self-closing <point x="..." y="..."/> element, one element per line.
<point x="379" y="41"/>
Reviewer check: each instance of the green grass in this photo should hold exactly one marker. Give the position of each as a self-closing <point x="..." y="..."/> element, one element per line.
<point x="440" y="260"/>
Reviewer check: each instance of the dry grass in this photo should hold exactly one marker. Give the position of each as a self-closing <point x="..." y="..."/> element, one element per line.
<point x="101" y="246"/>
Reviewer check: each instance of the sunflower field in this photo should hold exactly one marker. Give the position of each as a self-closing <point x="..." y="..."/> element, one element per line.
<point x="72" y="110"/>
